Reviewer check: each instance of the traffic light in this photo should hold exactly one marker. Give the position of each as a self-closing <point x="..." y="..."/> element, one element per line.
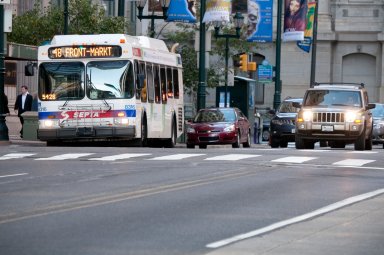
<point x="252" y="66"/>
<point x="243" y="62"/>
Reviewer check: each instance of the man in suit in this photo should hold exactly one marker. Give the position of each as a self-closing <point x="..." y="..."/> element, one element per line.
<point x="23" y="104"/>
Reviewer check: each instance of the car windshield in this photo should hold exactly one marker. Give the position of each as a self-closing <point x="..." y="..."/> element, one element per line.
<point x="215" y="115"/>
<point x="333" y="98"/>
<point x="378" y="111"/>
<point x="287" y="107"/>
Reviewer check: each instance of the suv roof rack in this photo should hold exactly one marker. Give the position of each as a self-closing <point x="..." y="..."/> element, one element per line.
<point x="337" y="83"/>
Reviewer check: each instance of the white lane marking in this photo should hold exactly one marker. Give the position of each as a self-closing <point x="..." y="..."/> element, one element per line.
<point x="233" y="157"/>
<point x="66" y="156"/>
<point x="304" y="217"/>
<point x="293" y="159"/>
<point x="16" y="155"/>
<point x="363" y="152"/>
<point x="176" y="156"/>
<point x="12" y="175"/>
<point x="353" y="162"/>
<point x="120" y="156"/>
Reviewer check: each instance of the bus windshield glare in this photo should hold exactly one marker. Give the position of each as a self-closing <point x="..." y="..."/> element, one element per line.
<point x="110" y="79"/>
<point x="61" y="81"/>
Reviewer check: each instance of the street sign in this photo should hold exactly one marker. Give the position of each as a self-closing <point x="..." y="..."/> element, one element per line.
<point x="264" y="73"/>
<point x="5" y="1"/>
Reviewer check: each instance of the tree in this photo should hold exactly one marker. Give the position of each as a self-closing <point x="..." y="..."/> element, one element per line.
<point x="41" y="24"/>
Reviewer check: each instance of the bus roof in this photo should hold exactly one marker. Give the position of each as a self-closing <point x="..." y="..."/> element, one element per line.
<point x="139" y="41"/>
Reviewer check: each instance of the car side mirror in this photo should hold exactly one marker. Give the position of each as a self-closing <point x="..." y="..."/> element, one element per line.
<point x="371" y="106"/>
<point x="296" y="104"/>
<point x="29" y="69"/>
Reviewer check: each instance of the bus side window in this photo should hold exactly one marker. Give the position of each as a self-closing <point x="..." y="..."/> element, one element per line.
<point x="169" y="82"/>
<point x="150" y="86"/>
<point x="163" y="83"/>
<point x="137" y="80"/>
<point x="129" y="82"/>
<point x="157" y="83"/>
<point x="176" y="82"/>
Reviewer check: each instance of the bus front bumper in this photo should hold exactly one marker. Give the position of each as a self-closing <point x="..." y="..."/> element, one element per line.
<point x="86" y="133"/>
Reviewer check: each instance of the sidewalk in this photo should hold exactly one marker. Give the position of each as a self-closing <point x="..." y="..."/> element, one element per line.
<point x="354" y="230"/>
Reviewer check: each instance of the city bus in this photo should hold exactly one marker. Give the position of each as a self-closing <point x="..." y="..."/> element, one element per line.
<point x="111" y="87"/>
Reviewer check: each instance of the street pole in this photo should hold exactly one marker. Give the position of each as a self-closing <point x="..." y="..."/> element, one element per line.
<point x="65" y="17"/>
<point x="120" y="11"/>
<point x="202" y="73"/>
<point x="277" y="96"/>
<point x="226" y="70"/>
<point x="314" y="45"/>
<point x="3" y="126"/>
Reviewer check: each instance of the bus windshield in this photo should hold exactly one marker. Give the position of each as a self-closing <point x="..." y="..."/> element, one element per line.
<point x="110" y="79"/>
<point x="61" y="81"/>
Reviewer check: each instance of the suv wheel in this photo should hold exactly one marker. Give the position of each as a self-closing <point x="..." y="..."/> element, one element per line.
<point x="283" y="144"/>
<point x="360" y="142"/>
<point x="300" y="143"/>
<point x="368" y="143"/>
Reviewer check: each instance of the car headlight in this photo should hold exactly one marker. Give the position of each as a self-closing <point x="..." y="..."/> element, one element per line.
<point x="307" y="115"/>
<point x="191" y="130"/>
<point x="229" y="128"/>
<point x="276" y="121"/>
<point x="352" y="117"/>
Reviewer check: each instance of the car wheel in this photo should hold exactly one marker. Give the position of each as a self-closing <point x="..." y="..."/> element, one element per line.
<point x="237" y="143"/>
<point x="247" y="144"/>
<point x="360" y="142"/>
<point x="283" y="144"/>
<point x="190" y="146"/>
<point x="299" y="143"/>
<point x="368" y="143"/>
<point x="265" y="135"/>
<point x="274" y="143"/>
<point x="202" y="146"/>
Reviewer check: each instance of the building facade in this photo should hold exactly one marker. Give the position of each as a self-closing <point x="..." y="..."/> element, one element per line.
<point x="350" y="48"/>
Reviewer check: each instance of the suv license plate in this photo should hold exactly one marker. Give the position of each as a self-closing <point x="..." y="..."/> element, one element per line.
<point x="293" y="130"/>
<point x="327" y="128"/>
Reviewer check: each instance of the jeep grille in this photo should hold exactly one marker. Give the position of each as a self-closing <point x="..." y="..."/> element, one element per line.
<point x="328" y="117"/>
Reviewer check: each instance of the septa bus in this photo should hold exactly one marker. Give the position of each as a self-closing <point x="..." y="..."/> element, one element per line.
<point x="109" y="87"/>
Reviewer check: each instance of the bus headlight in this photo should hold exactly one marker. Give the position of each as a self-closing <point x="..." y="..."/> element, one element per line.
<point x="121" y="121"/>
<point x="49" y="123"/>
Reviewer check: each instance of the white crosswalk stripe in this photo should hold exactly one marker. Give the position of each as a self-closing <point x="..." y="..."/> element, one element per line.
<point x="66" y="156"/>
<point x="16" y="155"/>
<point x="121" y="156"/>
<point x="233" y="157"/>
<point x="353" y="162"/>
<point x="176" y="156"/>
<point x="293" y="159"/>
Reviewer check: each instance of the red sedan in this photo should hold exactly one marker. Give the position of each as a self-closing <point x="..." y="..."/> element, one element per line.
<point x="219" y="126"/>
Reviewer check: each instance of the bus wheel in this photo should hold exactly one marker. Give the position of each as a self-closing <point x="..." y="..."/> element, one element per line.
<point x="171" y="142"/>
<point x="143" y="140"/>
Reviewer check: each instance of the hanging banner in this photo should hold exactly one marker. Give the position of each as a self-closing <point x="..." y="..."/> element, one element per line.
<point x="305" y="45"/>
<point x="182" y="11"/>
<point x="217" y="10"/>
<point x="259" y="27"/>
<point x="295" y="20"/>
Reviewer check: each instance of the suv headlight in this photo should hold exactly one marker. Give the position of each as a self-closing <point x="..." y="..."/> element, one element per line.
<point x="307" y="115"/>
<point x="352" y="117"/>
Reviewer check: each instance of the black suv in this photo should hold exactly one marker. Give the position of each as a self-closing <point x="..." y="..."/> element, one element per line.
<point x="336" y="113"/>
<point x="282" y="125"/>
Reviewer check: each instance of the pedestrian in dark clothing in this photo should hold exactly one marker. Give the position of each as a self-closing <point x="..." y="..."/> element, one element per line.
<point x="23" y="104"/>
<point x="4" y="102"/>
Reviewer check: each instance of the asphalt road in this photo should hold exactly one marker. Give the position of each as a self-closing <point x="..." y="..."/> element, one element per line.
<point x="116" y="200"/>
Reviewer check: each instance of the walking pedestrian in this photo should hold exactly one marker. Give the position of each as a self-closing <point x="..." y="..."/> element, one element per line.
<point x="23" y="104"/>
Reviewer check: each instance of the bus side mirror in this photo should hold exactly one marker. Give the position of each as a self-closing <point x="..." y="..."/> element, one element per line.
<point x="29" y="71"/>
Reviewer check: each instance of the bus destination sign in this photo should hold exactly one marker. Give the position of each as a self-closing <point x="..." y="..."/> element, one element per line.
<point x="84" y="51"/>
